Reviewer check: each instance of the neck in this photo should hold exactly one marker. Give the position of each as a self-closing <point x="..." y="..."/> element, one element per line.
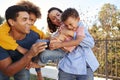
<point x="17" y="35"/>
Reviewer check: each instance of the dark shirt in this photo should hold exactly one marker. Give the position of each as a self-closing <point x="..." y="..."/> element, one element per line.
<point x="27" y="42"/>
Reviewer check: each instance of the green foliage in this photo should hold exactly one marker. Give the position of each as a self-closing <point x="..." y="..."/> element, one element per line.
<point x="1" y="19"/>
<point x="33" y="77"/>
<point x="109" y="18"/>
<point x="107" y="36"/>
<point x="108" y="55"/>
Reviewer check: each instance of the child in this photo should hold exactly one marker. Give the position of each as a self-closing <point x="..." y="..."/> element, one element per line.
<point x="8" y="43"/>
<point x="77" y="64"/>
<point x="66" y="35"/>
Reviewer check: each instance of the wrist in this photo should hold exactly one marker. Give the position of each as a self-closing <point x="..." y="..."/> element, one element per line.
<point x="29" y="56"/>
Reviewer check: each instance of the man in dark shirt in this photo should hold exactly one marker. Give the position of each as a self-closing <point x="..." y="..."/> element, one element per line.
<point x="13" y="62"/>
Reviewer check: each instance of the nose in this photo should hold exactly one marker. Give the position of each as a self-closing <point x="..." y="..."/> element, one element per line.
<point x="58" y="18"/>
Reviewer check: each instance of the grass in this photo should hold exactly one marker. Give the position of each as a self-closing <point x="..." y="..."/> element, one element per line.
<point x="33" y="77"/>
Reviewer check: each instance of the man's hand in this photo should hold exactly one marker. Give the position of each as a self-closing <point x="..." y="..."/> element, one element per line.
<point x="33" y="65"/>
<point x="37" y="48"/>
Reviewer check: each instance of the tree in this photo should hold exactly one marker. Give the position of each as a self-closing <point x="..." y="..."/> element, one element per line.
<point x="109" y="19"/>
<point x="1" y="19"/>
<point x="109" y="16"/>
<point x="107" y="36"/>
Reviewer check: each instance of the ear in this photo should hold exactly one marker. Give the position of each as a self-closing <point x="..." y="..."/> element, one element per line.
<point x="78" y="18"/>
<point x="11" y="22"/>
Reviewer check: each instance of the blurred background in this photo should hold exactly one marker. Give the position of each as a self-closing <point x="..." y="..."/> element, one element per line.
<point x="102" y="17"/>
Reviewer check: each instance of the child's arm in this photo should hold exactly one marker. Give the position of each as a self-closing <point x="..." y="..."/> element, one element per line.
<point x="21" y="50"/>
<point x="8" y="43"/>
<point x="67" y="32"/>
<point x="74" y="42"/>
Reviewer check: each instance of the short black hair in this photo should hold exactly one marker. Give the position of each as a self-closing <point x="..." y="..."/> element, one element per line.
<point x="69" y="12"/>
<point x="12" y="11"/>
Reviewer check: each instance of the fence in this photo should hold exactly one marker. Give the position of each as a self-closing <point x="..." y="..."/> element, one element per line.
<point x="108" y="55"/>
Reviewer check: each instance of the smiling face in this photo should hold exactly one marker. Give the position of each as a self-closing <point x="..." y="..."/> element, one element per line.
<point x="22" y="23"/>
<point x="33" y="18"/>
<point x="72" y="23"/>
<point x="55" y="17"/>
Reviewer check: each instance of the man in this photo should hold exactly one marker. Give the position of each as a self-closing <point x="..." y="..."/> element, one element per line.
<point x="8" y="43"/>
<point x="13" y="62"/>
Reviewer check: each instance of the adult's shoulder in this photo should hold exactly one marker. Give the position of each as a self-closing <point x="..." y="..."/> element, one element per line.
<point x="32" y="34"/>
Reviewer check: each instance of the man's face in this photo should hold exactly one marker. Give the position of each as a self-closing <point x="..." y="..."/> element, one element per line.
<point x="72" y="23"/>
<point x="22" y="23"/>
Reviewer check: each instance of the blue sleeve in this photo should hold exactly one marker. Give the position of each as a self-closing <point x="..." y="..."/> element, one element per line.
<point x="75" y="35"/>
<point x="88" y="41"/>
<point x="3" y="54"/>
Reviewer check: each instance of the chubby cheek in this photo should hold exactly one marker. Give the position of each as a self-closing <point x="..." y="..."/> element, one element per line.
<point x="71" y="27"/>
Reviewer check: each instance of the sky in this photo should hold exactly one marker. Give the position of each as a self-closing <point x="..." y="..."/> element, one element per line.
<point x="86" y="8"/>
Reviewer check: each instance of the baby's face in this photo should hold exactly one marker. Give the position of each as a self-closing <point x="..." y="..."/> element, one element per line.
<point x="72" y="23"/>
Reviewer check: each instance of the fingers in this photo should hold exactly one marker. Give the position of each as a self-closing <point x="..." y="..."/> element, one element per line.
<point x="37" y="48"/>
<point x="41" y="46"/>
<point x="35" y="65"/>
<point x="28" y="66"/>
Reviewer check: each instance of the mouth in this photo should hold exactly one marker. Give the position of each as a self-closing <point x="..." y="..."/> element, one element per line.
<point x="27" y="27"/>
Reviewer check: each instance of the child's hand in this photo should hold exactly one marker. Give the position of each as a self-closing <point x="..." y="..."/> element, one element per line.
<point x="55" y="45"/>
<point x="54" y="42"/>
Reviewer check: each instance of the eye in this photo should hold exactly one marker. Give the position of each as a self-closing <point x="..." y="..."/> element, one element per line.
<point x="32" y="20"/>
<point x="24" y="19"/>
<point x="58" y="14"/>
<point x="66" y="25"/>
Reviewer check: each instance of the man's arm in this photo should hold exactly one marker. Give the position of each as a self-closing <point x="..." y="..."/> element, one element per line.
<point x="9" y="68"/>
